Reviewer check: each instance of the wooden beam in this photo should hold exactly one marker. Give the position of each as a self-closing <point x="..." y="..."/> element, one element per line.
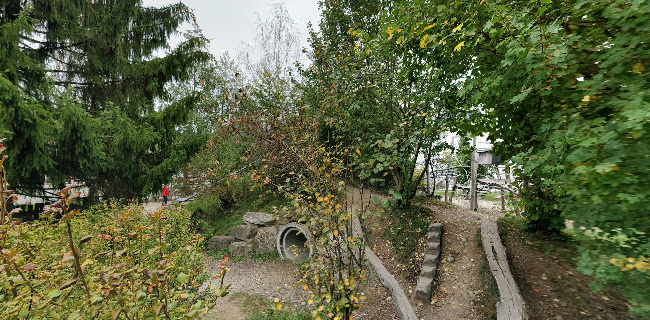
<point x="473" y="196"/>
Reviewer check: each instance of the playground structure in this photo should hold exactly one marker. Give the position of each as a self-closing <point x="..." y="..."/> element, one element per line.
<point x="462" y="181"/>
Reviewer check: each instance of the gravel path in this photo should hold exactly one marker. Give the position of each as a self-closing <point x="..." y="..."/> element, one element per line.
<point x="489" y="208"/>
<point x="281" y="280"/>
<point x="271" y="279"/>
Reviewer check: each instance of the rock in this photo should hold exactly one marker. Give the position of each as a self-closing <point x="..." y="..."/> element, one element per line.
<point x="423" y="289"/>
<point x="220" y="242"/>
<point x="428" y="271"/>
<point x="433" y="248"/>
<point x="259" y="219"/>
<point x="240" y="248"/>
<point x="243" y="232"/>
<point x="451" y="259"/>
<point x="435" y="227"/>
<point x="265" y="240"/>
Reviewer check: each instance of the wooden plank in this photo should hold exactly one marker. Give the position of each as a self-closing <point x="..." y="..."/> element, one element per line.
<point x="473" y="204"/>
<point x="404" y="309"/>
<point x="511" y="304"/>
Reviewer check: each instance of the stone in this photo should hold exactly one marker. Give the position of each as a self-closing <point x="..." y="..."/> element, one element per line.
<point x="435" y="227"/>
<point x="431" y="257"/>
<point x="433" y="248"/>
<point x="220" y="242"/>
<point x="259" y="219"/>
<point x="428" y="271"/>
<point x="423" y="289"/>
<point x="451" y="259"/>
<point x="265" y="240"/>
<point x="430" y="260"/>
<point x="433" y="236"/>
<point x="240" y="248"/>
<point x="243" y="232"/>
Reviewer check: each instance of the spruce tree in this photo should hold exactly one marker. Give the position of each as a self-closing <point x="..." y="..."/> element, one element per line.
<point x="79" y="85"/>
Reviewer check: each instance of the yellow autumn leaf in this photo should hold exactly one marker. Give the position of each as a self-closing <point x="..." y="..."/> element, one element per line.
<point x="460" y="26"/>
<point x="429" y="27"/>
<point x="586" y="99"/>
<point x="638" y="68"/>
<point x="278" y="306"/>
<point x="336" y="233"/>
<point x="86" y="262"/>
<point x="424" y="42"/>
<point x="390" y="32"/>
<point x="358" y="152"/>
<point x="460" y="45"/>
<point x="321" y="308"/>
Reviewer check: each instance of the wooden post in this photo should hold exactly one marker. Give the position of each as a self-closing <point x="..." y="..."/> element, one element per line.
<point x="428" y="179"/>
<point x="503" y="193"/>
<point x="446" y="187"/>
<point x="453" y="189"/>
<point x="473" y="196"/>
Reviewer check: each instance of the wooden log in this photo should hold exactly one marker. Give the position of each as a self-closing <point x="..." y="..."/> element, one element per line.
<point x="511" y="304"/>
<point x="446" y="188"/>
<point x="473" y="196"/>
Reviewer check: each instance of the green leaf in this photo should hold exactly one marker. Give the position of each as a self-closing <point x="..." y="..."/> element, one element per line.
<point x="54" y="293"/>
<point x="182" y="277"/>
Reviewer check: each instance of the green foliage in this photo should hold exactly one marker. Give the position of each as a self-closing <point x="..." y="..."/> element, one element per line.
<point x="369" y="96"/>
<point x="79" y="85"/>
<point x="128" y="271"/>
<point x="405" y="229"/>
<point x="618" y="257"/>
<point x="259" y="308"/>
<point x="561" y="87"/>
<point x="119" y="263"/>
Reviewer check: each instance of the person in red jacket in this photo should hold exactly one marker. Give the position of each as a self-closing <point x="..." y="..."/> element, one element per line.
<point x="165" y="194"/>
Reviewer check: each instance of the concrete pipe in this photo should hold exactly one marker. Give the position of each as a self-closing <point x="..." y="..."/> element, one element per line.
<point x="294" y="243"/>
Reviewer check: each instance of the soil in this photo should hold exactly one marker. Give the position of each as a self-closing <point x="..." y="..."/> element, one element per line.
<point x="460" y="284"/>
<point x="549" y="282"/>
<point x="280" y="280"/>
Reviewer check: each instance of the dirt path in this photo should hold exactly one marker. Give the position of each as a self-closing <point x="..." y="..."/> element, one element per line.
<point x="150" y="207"/>
<point x="269" y="279"/>
<point x="281" y="280"/>
<point x="459" y="278"/>
<point x="460" y="283"/>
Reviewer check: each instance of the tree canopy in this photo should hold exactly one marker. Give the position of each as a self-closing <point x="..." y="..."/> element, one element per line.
<point x="80" y="83"/>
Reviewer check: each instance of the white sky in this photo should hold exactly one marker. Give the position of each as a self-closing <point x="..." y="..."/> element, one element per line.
<point x="227" y="23"/>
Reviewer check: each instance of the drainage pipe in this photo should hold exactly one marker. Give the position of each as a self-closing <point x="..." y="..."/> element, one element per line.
<point x="294" y="242"/>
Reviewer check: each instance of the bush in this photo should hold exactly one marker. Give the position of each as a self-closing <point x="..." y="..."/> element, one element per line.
<point x="109" y="262"/>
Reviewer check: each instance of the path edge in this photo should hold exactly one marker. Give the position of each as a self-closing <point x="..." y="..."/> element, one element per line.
<point x="401" y="301"/>
<point x="511" y="304"/>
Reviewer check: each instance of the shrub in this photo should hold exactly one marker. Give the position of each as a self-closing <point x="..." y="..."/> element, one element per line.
<point x="109" y="262"/>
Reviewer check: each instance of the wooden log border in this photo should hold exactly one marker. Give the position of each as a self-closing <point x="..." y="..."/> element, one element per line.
<point x="511" y="305"/>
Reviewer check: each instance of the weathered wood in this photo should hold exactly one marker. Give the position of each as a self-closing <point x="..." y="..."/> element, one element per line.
<point x="428" y="169"/>
<point x="404" y="309"/>
<point x="511" y="304"/>
<point x="473" y="196"/>
<point x="446" y="188"/>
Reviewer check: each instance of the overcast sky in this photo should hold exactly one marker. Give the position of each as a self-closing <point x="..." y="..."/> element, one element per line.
<point x="227" y="23"/>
